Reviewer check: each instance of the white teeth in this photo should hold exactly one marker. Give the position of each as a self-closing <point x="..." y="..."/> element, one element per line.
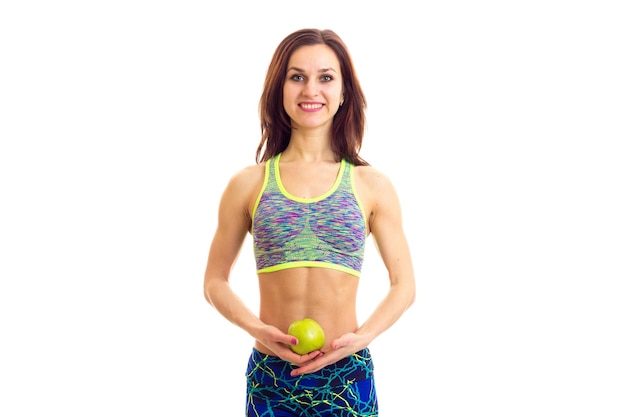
<point x="311" y="106"/>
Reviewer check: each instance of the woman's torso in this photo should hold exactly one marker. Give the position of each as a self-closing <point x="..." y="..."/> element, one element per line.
<point x="324" y="294"/>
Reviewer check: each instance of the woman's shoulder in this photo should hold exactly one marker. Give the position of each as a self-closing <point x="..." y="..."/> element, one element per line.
<point x="372" y="177"/>
<point x="248" y="176"/>
<point x="377" y="192"/>
<point x="250" y="171"/>
<point x="242" y="189"/>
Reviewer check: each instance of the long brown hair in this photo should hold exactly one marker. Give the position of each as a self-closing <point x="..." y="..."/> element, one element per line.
<point x="349" y="121"/>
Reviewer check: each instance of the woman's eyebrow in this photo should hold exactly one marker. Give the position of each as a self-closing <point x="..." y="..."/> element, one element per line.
<point x="321" y="70"/>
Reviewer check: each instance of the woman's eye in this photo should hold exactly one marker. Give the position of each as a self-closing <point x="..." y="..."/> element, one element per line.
<point x="297" y="77"/>
<point x="327" y="78"/>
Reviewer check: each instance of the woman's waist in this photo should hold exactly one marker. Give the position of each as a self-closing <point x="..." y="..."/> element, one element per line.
<point x="267" y="370"/>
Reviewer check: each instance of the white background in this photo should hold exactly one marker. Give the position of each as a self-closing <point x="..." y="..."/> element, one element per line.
<point x="501" y="124"/>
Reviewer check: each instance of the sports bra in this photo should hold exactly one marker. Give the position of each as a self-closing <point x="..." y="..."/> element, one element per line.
<point x="328" y="231"/>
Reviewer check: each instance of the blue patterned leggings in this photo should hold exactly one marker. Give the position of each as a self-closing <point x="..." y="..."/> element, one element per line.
<point x="343" y="389"/>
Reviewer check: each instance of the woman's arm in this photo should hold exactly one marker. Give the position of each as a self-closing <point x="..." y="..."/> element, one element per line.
<point x="234" y="221"/>
<point x="386" y="227"/>
<point x="232" y="226"/>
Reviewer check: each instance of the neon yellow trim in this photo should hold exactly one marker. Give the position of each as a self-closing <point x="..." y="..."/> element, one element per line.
<point x="286" y="193"/>
<point x="358" y="199"/>
<point x="309" y="264"/>
<point x="258" y="197"/>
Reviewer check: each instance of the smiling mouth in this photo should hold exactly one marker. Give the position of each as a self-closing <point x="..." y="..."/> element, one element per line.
<point x="311" y="106"/>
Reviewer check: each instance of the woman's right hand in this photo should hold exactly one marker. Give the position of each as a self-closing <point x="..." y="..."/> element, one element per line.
<point x="279" y="344"/>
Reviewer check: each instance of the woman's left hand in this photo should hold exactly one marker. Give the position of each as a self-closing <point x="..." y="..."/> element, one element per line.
<point x="340" y="348"/>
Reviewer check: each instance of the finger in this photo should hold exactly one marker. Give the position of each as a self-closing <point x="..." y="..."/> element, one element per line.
<point x="289" y="340"/>
<point x="311" y="366"/>
<point x="339" y="343"/>
<point x="302" y="360"/>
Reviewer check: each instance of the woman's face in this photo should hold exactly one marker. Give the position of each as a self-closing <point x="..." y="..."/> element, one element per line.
<point x="313" y="87"/>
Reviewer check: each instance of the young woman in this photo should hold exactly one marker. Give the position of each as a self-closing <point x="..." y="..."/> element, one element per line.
<point x="310" y="202"/>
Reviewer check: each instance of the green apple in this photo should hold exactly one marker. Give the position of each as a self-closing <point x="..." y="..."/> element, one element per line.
<point x="309" y="333"/>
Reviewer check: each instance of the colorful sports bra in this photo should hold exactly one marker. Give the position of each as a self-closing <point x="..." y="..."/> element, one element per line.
<point x="322" y="232"/>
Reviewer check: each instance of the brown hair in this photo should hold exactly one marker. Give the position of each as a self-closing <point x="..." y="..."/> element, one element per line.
<point x="349" y="121"/>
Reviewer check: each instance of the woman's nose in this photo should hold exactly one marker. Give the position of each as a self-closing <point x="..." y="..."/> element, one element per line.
<point x="311" y="88"/>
